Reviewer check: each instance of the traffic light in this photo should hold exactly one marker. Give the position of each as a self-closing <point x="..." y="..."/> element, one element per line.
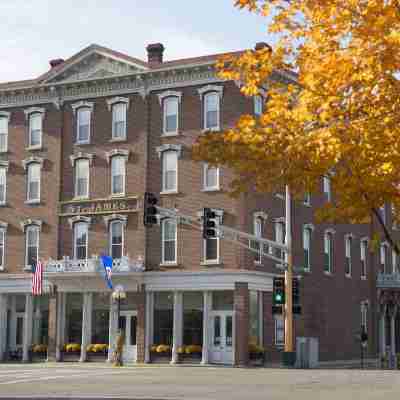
<point x="209" y="224"/>
<point x="278" y="292"/>
<point x="149" y="209"/>
<point x="295" y="292"/>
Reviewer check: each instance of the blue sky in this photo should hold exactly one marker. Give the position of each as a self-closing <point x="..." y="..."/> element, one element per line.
<point x="34" y="31"/>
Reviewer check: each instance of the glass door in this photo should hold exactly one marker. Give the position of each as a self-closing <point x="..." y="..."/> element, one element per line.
<point x="222" y="337"/>
<point x="128" y="321"/>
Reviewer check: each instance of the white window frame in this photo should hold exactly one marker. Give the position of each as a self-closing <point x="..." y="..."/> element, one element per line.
<point x="113" y="160"/>
<point x="6" y="117"/>
<point x="165" y="103"/>
<point x="3" y="170"/>
<point x="206" y="96"/>
<point x="258" y="231"/>
<point x="279" y="319"/>
<point x="123" y="225"/>
<point x="76" y="162"/>
<point x="348" y="247"/>
<point x="307" y="229"/>
<point x="364" y="257"/>
<point x="39" y="115"/>
<point x="75" y="226"/>
<point x="3" y="239"/>
<point x="164" y="171"/>
<point x="383" y="251"/>
<point x="29" y="167"/>
<point x="307" y="199"/>
<point x="279" y="232"/>
<point x="78" y="111"/>
<point x="329" y="250"/>
<point x="327" y="187"/>
<point x="206" y="188"/>
<point x="125" y="112"/>
<point x="218" y="215"/>
<point x="203" y="92"/>
<point x="27" y="230"/>
<point x="258" y="105"/>
<point x="394" y="262"/>
<point x="163" y="223"/>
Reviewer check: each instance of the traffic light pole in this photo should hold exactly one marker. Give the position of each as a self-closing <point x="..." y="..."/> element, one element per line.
<point x="289" y="354"/>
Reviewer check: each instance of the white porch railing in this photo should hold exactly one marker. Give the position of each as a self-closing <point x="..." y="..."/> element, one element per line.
<point x="388" y="280"/>
<point x="68" y="265"/>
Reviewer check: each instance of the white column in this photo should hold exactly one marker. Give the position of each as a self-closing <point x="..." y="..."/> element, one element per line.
<point x="13" y="322"/>
<point x="206" y="328"/>
<point x="177" y="327"/>
<point x="27" y="341"/>
<point x="393" y="331"/>
<point x="112" y="330"/>
<point x="3" y="326"/>
<point x="149" y="325"/>
<point x="86" y="324"/>
<point x="61" y="308"/>
<point x="383" y="331"/>
<point x="37" y="325"/>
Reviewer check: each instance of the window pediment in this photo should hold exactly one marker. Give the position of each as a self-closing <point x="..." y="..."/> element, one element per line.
<point x="117" y="152"/>
<point x="30" y="160"/>
<point x="34" y="110"/>
<point x="4" y="164"/>
<point x="169" y="93"/>
<point x="309" y="226"/>
<point x="169" y="147"/>
<point x="82" y="104"/>
<point x="116" y="100"/>
<point x="3" y="225"/>
<point x="260" y="214"/>
<point x="31" y="222"/>
<point x="211" y="88"/>
<point x="79" y="218"/>
<point x="115" y="217"/>
<point x="5" y="114"/>
<point x="80" y="155"/>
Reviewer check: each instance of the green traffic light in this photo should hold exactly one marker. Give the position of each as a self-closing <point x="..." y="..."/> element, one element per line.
<point x="278" y="297"/>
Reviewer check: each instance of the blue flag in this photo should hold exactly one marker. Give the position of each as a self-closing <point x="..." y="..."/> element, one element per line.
<point x="107" y="264"/>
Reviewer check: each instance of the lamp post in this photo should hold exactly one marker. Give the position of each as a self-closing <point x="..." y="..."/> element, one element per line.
<point x="118" y="295"/>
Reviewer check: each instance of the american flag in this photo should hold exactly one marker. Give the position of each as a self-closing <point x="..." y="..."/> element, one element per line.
<point x="37" y="278"/>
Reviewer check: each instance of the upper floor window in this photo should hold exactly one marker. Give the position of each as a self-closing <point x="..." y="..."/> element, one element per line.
<point x="210" y="177"/>
<point x="118" y="174"/>
<point x="82" y="178"/>
<point x="258" y="105"/>
<point x="279" y="237"/>
<point x="327" y="187"/>
<point x="171" y="115"/>
<point x="395" y="262"/>
<point x="348" y="241"/>
<point x="363" y="252"/>
<point x="119" y="120"/>
<point x="83" y="125"/>
<point x="211" y="246"/>
<point x="328" y="252"/>
<point x="384" y="258"/>
<point x="32" y="245"/>
<point x="211" y="111"/>
<point x="382" y="211"/>
<point x="307" y="199"/>
<point x="117" y="239"/>
<point x="307" y="231"/>
<point x="33" y="182"/>
<point x="170" y="171"/>
<point x="2" y="247"/>
<point x="81" y="230"/>
<point x="169" y="241"/>
<point x="4" y="120"/>
<point x="3" y="185"/>
<point x="257" y="228"/>
<point x="35" y="130"/>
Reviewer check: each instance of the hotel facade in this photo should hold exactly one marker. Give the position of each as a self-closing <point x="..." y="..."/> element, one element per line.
<point x="79" y="147"/>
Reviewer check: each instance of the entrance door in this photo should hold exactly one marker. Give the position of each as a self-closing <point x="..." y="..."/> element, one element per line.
<point x="128" y="322"/>
<point x="222" y="337"/>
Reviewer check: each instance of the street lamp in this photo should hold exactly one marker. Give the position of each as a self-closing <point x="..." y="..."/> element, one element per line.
<point x="118" y="295"/>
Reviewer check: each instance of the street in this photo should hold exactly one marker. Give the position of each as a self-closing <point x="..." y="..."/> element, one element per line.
<point x="185" y="382"/>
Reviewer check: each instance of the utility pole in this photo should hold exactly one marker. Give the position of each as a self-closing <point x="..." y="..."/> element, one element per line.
<point x="289" y="354"/>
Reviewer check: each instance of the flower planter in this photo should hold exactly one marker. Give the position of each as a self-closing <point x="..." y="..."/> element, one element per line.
<point x="38" y="356"/>
<point x="70" y="356"/>
<point x="192" y="358"/>
<point x="97" y="357"/>
<point x="161" y="358"/>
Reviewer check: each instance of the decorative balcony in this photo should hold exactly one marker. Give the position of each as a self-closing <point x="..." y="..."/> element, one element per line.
<point x="93" y="265"/>
<point x="388" y="281"/>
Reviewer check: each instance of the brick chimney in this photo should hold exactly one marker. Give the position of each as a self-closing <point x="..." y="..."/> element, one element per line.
<point x="155" y="53"/>
<point x="56" y="62"/>
<point x="262" y="45"/>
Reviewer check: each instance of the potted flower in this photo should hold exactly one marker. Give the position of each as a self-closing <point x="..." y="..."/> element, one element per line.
<point x="97" y="350"/>
<point x="71" y="351"/>
<point x="160" y="352"/>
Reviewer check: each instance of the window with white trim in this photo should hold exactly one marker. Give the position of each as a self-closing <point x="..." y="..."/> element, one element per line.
<point x="3" y="185"/>
<point x="384" y="258"/>
<point x="33" y="182"/>
<point x="257" y="229"/>
<point x="118" y="175"/>
<point x="279" y="237"/>
<point x="2" y="247"/>
<point x="170" y="115"/>
<point x="211" y="111"/>
<point x="395" y="261"/>
<point x="119" y="111"/>
<point x="307" y="231"/>
<point x="35" y="129"/>
<point x="364" y="317"/>
<point x="82" y="178"/>
<point x="279" y="330"/>
<point x="81" y="233"/>
<point x="210" y="177"/>
<point x="348" y="241"/>
<point x="328" y="252"/>
<point x="83" y="117"/>
<point x="169" y="241"/>
<point x="307" y="199"/>
<point x="117" y="236"/>
<point x="170" y="171"/>
<point x="31" y="245"/>
<point x="211" y="246"/>
<point x="3" y="134"/>
<point x="364" y="252"/>
<point x="258" y="105"/>
<point x="327" y="187"/>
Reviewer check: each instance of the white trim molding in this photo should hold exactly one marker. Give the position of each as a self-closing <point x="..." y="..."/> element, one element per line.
<point x="115" y="217"/>
<point x="117" y="100"/>
<point x="329" y="230"/>
<point x="4" y="164"/>
<point x="260" y="214"/>
<point x="77" y="156"/>
<point x="29" y="222"/>
<point x="79" y="218"/>
<point x="211" y="88"/>
<point x="30" y="160"/>
<point x="5" y="114"/>
<point x="169" y="93"/>
<point x="309" y="226"/>
<point x="82" y="104"/>
<point x="34" y="110"/>
<point x="169" y="147"/>
<point x="117" y="152"/>
<point x="364" y="239"/>
<point x="3" y="225"/>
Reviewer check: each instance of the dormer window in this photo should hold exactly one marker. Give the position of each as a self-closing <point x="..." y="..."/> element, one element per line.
<point x="211" y="96"/>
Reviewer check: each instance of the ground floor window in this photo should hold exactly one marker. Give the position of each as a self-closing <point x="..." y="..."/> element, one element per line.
<point x="193" y="318"/>
<point x="100" y="318"/>
<point x="279" y="331"/>
<point x="163" y="317"/>
<point x="41" y="320"/>
<point x="254" y="317"/>
<point x="73" y="322"/>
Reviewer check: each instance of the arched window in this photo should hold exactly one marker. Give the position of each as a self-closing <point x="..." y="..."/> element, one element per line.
<point x="81" y="230"/>
<point x="117" y="239"/>
<point x="31" y="245"/>
<point x="171" y="115"/>
<point x="169" y="241"/>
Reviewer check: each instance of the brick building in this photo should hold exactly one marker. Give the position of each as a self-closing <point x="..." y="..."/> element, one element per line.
<point x="80" y="145"/>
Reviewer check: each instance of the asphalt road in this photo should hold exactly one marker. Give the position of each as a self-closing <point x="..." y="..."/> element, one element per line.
<point x="193" y="383"/>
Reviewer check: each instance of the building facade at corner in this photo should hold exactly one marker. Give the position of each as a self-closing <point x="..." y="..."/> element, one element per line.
<point x="79" y="146"/>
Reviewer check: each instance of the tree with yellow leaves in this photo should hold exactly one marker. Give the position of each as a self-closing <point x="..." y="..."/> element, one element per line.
<point x="340" y="117"/>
